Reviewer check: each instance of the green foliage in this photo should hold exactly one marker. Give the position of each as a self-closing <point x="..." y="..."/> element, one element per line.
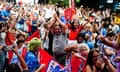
<point x="77" y="1"/>
<point x="62" y="3"/>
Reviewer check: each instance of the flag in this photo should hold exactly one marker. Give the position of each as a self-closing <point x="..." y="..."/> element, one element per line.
<point x="35" y="34"/>
<point x="28" y="25"/>
<point x="51" y="65"/>
<point x="73" y="4"/>
<point x="10" y="54"/>
<point x="69" y="13"/>
<point x="76" y="64"/>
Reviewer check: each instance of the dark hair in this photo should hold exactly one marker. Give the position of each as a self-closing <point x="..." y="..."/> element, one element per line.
<point x="81" y="35"/>
<point x="90" y="57"/>
<point x="104" y="25"/>
<point x="2" y="24"/>
<point x="57" y="12"/>
<point x="86" y="20"/>
<point x="20" y="35"/>
<point x="57" y="25"/>
<point x="13" y="68"/>
<point x="45" y="26"/>
<point x="110" y="34"/>
<point x="72" y="24"/>
<point x="20" y="41"/>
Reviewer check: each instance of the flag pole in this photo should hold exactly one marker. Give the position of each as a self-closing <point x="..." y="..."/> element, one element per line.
<point x="70" y="3"/>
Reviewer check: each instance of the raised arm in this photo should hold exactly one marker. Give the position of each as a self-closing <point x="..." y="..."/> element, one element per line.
<point x="45" y="36"/>
<point x="51" y="23"/>
<point x="21" y="32"/>
<point x="85" y="22"/>
<point x="107" y="42"/>
<point x="71" y="48"/>
<point x="61" y="23"/>
<point x="22" y="62"/>
<point x="111" y="68"/>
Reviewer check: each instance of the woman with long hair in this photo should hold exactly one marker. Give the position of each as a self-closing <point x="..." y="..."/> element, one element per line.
<point x="12" y="32"/>
<point x="97" y="63"/>
<point x="90" y="66"/>
<point x="75" y="29"/>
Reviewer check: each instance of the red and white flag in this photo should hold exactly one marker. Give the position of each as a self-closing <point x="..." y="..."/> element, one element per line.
<point x="69" y="13"/>
<point x="35" y="34"/>
<point x="51" y="64"/>
<point x="72" y="4"/>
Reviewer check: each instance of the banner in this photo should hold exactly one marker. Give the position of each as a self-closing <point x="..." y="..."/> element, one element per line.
<point x="35" y="34"/>
<point x="50" y="64"/>
<point x="73" y="4"/>
<point x="77" y="64"/>
<point x="69" y="13"/>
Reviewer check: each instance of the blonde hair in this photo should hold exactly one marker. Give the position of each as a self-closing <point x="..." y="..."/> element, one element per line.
<point x="83" y="46"/>
<point x="89" y="26"/>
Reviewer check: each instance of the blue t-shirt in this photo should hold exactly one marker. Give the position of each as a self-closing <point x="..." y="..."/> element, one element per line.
<point x="21" y="21"/>
<point x="34" y="28"/>
<point x="5" y="13"/>
<point x="32" y="62"/>
<point x="19" y="26"/>
<point x="90" y="44"/>
<point x="103" y="31"/>
<point x="88" y="32"/>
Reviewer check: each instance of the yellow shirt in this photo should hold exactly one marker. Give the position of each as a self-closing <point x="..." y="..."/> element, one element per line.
<point x="117" y="20"/>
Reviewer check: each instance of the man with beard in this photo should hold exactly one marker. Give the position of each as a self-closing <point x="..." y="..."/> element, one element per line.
<point x="59" y="41"/>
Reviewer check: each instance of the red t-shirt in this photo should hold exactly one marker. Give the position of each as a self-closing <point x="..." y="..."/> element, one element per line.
<point x="73" y="34"/>
<point x="10" y="36"/>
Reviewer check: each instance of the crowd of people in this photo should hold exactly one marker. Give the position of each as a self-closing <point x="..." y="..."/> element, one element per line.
<point x="87" y="41"/>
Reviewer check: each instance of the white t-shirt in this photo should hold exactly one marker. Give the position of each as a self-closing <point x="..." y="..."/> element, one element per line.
<point x="48" y="12"/>
<point x="115" y="28"/>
